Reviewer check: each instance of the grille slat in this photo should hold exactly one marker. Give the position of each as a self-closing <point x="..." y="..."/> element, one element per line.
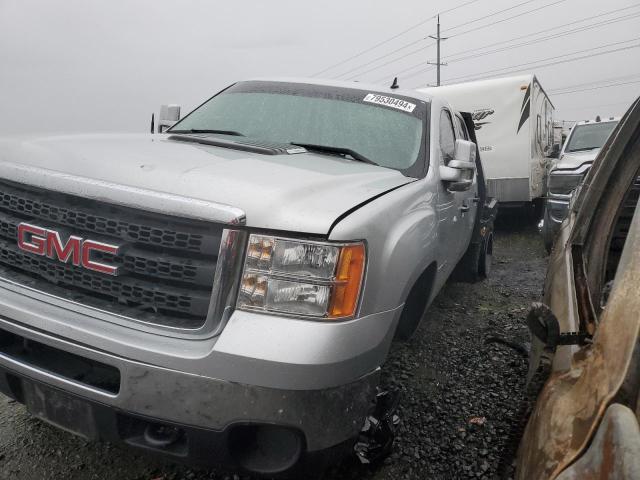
<point x="123" y="289"/>
<point x="166" y="265"/>
<point x="105" y="219"/>
<point x="134" y="260"/>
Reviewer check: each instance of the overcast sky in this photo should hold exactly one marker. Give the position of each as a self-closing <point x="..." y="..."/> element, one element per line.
<point x="95" y="65"/>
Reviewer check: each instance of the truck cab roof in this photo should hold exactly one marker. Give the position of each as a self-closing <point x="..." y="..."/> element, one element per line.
<point x="598" y="120"/>
<point x="407" y="92"/>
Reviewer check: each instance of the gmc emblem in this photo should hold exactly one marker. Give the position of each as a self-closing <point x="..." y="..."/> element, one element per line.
<point x="76" y="250"/>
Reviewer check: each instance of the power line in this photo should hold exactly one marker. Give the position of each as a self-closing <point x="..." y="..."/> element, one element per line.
<point x="508" y="18"/>
<point x="413" y="52"/>
<point x="514" y="68"/>
<point x="453" y="8"/>
<point x="418" y="41"/>
<point x="602" y="14"/>
<point x="454" y="35"/>
<point x="379" y="44"/>
<point x="400" y="72"/>
<point x="479" y="49"/>
<point x="488" y="16"/>
<point x="597" y="88"/>
<point x="550" y="37"/>
<point x="584" y="107"/>
<point x="385" y="56"/>
<point x="588" y="84"/>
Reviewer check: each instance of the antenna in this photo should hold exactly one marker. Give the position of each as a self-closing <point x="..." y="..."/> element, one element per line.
<point x="153" y="118"/>
<point x="395" y="85"/>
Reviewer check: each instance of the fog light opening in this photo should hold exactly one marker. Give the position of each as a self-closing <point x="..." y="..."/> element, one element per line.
<point x="161" y="436"/>
<point x="265" y="449"/>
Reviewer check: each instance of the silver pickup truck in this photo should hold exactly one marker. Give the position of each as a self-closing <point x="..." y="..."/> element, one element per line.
<point x="226" y="293"/>
<point x="574" y="161"/>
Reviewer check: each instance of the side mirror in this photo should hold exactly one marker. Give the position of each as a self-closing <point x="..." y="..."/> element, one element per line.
<point x="169" y="115"/>
<point x="465" y="151"/>
<point x="555" y="151"/>
<point x="459" y="172"/>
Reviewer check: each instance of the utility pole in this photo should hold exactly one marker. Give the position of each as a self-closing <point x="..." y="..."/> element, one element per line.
<point x="437" y="63"/>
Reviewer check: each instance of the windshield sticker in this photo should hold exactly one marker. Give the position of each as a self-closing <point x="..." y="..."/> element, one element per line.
<point x="390" y="102"/>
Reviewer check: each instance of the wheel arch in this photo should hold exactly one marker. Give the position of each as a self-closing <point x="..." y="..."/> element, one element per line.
<point x="417" y="299"/>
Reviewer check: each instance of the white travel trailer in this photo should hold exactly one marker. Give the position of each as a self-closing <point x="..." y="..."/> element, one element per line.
<point x="514" y="127"/>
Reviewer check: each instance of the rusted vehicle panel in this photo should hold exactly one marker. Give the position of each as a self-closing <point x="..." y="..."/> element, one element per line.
<point x="585" y="380"/>
<point x="615" y="451"/>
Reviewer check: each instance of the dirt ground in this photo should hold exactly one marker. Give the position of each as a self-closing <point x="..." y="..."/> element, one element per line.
<point x="460" y="392"/>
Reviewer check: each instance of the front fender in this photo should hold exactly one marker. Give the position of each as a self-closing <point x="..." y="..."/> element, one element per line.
<point x="401" y="231"/>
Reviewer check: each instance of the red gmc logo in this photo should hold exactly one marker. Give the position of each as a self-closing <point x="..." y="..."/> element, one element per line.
<point x="76" y="250"/>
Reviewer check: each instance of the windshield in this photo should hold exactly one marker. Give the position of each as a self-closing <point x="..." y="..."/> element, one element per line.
<point x="590" y="136"/>
<point x="384" y="129"/>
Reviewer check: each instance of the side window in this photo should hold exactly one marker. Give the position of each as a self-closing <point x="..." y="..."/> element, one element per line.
<point x="447" y="137"/>
<point x="461" y="128"/>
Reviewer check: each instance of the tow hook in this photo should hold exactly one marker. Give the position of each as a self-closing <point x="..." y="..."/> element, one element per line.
<point x="376" y="437"/>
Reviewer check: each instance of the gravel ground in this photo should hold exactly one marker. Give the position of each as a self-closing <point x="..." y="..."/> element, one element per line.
<point x="459" y="394"/>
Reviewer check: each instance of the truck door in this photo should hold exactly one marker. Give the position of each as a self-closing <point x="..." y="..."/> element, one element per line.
<point x="455" y="208"/>
<point x="470" y="197"/>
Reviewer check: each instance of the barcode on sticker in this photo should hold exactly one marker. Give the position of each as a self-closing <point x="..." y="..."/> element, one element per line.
<point x="390" y="102"/>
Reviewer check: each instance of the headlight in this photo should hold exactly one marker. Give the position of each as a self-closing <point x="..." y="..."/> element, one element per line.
<point x="563" y="183"/>
<point x="320" y="280"/>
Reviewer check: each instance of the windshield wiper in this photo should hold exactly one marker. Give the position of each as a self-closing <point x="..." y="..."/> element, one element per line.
<point x="338" y="150"/>
<point x="582" y="149"/>
<point x="197" y="130"/>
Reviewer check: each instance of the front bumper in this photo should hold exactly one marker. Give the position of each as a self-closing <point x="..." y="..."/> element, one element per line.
<point x="284" y="448"/>
<point x="556" y="210"/>
<point x="206" y="412"/>
<point x="314" y="378"/>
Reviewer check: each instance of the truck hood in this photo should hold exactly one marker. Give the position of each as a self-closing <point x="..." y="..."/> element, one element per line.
<point x="302" y="192"/>
<point x="575" y="159"/>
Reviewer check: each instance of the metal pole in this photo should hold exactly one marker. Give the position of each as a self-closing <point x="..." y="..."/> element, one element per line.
<point x="438" y="47"/>
<point x="437" y="63"/>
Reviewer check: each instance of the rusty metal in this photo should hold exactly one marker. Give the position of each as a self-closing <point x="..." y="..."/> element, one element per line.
<point x="585" y="381"/>
<point x="614" y="452"/>
<point x="572" y="402"/>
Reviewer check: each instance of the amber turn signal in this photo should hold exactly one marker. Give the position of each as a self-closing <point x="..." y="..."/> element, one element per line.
<point x="349" y="274"/>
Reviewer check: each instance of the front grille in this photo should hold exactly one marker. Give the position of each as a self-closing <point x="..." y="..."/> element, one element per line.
<point x="166" y="264"/>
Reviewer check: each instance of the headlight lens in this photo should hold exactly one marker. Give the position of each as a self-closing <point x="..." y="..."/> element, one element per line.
<point x="563" y="184"/>
<point x="320" y="280"/>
